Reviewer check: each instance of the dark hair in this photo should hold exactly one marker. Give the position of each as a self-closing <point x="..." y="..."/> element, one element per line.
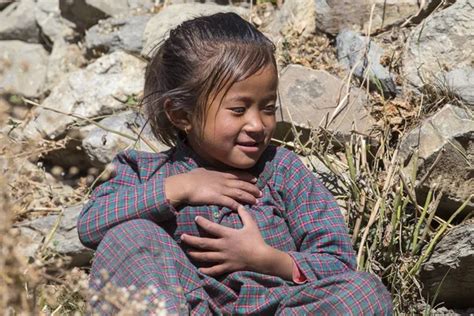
<point x="200" y="58"/>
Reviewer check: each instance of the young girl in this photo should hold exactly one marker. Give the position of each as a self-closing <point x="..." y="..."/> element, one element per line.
<point x="222" y="223"/>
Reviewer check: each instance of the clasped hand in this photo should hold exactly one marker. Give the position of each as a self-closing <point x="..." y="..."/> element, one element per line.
<point x="231" y="249"/>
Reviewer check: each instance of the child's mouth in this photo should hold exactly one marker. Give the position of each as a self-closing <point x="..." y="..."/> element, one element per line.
<point x="249" y="147"/>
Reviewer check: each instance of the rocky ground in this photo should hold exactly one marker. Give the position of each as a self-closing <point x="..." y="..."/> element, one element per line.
<point x="376" y="96"/>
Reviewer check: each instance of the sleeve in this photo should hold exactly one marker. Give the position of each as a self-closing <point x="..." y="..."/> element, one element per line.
<point x="315" y="221"/>
<point x="124" y="197"/>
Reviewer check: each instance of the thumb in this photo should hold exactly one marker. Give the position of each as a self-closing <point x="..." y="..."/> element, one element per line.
<point x="247" y="219"/>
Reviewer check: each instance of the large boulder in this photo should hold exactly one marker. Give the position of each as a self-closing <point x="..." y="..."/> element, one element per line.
<point x="443" y="42"/>
<point x="102" y="145"/>
<point x="55" y="27"/>
<point x="101" y="88"/>
<point x="23" y="68"/>
<point x="441" y="151"/>
<point x="17" y="22"/>
<point x="64" y="58"/>
<point x="113" y="34"/>
<point x="449" y="272"/>
<point x="86" y="13"/>
<point x="58" y="232"/>
<point x="314" y="98"/>
<point x="171" y="16"/>
<point x="363" y="55"/>
<point x="460" y="82"/>
<point x="332" y="16"/>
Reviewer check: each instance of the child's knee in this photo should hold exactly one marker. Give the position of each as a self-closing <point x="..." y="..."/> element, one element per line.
<point x="136" y="235"/>
<point x="376" y="300"/>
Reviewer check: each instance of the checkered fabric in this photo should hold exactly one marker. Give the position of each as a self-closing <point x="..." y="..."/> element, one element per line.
<point x="137" y="234"/>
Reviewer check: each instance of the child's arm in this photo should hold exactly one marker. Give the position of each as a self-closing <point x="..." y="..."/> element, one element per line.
<point x="142" y="187"/>
<point x="127" y="195"/>
<point x="315" y="221"/>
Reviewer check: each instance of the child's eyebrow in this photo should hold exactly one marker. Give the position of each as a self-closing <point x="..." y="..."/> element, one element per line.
<point x="247" y="99"/>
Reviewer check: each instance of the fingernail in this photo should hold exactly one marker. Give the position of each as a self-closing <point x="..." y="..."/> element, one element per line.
<point x="261" y="194"/>
<point x="196" y="218"/>
<point x="254" y="179"/>
<point x="181" y="237"/>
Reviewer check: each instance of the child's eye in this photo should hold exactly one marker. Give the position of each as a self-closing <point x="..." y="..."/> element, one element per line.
<point x="238" y="110"/>
<point x="271" y="109"/>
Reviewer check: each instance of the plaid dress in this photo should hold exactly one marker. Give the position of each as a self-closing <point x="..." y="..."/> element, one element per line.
<point x="137" y="235"/>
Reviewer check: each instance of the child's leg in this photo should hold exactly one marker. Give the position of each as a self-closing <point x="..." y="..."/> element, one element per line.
<point x="351" y="293"/>
<point x="140" y="254"/>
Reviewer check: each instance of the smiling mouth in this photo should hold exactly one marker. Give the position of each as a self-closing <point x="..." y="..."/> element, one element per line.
<point x="249" y="147"/>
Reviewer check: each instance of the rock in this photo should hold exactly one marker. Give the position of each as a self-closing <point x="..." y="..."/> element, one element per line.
<point x="461" y="83"/>
<point x="86" y="13"/>
<point x="171" y="16"/>
<point x="332" y="16"/>
<point x="102" y="146"/>
<point x="64" y="240"/>
<point x="450" y="269"/>
<point x="17" y="22"/>
<point x="299" y="15"/>
<point x="5" y="4"/>
<point x="312" y="98"/>
<point x="364" y="54"/>
<point x="48" y="17"/>
<point x="64" y="58"/>
<point x="443" y="42"/>
<point x="22" y="68"/>
<point x="115" y="34"/>
<point x="100" y="89"/>
<point x="448" y="134"/>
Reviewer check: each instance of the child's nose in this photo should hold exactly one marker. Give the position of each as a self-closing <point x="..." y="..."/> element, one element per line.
<point x="255" y="124"/>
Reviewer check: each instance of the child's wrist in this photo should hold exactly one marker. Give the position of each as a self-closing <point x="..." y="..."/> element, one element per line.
<point x="175" y="190"/>
<point x="275" y="262"/>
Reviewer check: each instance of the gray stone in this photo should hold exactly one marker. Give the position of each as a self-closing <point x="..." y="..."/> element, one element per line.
<point x="450" y="269"/>
<point x="298" y="15"/>
<point x="23" y="68"/>
<point x="101" y="88"/>
<point x="64" y="58"/>
<point x="5" y="3"/>
<point x="48" y="17"/>
<point x="461" y="83"/>
<point x="363" y="55"/>
<point x="64" y="238"/>
<point x="124" y="33"/>
<point x="17" y="22"/>
<point x="448" y="134"/>
<point x="86" y="13"/>
<point x="158" y="27"/>
<point x="332" y="16"/>
<point x="103" y="145"/>
<point x="316" y="99"/>
<point x="443" y="42"/>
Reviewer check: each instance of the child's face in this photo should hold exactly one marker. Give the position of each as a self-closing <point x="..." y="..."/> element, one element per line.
<point x="237" y="131"/>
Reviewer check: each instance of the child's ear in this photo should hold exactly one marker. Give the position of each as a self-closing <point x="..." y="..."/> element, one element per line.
<point x="177" y="117"/>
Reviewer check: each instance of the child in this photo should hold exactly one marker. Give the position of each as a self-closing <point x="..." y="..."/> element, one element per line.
<point x="222" y="223"/>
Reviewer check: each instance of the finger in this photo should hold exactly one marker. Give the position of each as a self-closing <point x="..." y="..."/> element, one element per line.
<point x="211" y="227"/>
<point x="201" y="243"/>
<point x="205" y="256"/>
<point x="227" y="202"/>
<point x="247" y="219"/>
<point x="245" y="186"/>
<point x="241" y="196"/>
<point x="215" y="270"/>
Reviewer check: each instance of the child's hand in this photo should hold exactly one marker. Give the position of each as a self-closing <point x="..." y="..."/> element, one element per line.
<point x="232" y="249"/>
<point x="202" y="186"/>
